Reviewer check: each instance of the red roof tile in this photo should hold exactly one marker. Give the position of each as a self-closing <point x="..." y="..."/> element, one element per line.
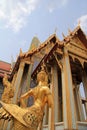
<point x="4" y="68"/>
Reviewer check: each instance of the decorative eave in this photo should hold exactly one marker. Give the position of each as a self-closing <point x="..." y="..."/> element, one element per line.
<point x="76" y="32"/>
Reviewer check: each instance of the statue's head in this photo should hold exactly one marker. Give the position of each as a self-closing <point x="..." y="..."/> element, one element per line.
<point x="42" y="76"/>
<point x="5" y="75"/>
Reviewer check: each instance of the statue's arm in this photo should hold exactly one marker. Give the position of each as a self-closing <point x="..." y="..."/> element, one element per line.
<point x="25" y="96"/>
<point x="49" y="98"/>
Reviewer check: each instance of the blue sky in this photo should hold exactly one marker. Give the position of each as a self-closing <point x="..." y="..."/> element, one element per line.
<point x="21" y="20"/>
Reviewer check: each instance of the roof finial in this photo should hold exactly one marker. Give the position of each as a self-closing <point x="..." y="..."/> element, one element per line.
<point x="21" y="51"/>
<point x="63" y="35"/>
<point x="69" y="31"/>
<point x="79" y="23"/>
<point x="55" y="30"/>
<point x="36" y="35"/>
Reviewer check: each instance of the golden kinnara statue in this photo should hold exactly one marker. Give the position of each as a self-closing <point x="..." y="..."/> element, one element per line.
<point x="29" y="118"/>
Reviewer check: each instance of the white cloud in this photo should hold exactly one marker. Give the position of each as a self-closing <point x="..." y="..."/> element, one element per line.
<point x="15" y="12"/>
<point x="83" y="22"/>
<point x="53" y="4"/>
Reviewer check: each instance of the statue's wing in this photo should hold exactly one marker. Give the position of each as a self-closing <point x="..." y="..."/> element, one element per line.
<point x="12" y="110"/>
<point x="4" y="114"/>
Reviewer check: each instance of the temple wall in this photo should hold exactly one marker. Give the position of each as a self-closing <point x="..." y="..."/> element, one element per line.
<point x="82" y="125"/>
<point x="58" y="126"/>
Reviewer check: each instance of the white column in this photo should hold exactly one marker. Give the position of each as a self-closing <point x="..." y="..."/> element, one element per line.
<point x="80" y="106"/>
<point x="84" y="80"/>
<point x="45" y="118"/>
<point x="68" y="102"/>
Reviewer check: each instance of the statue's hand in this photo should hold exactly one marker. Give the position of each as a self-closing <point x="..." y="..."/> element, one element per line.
<point x="18" y="102"/>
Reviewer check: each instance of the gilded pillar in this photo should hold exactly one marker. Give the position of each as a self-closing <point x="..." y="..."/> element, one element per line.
<point x="56" y="96"/>
<point x="51" y="111"/>
<point x="2" y="124"/>
<point x="50" y="124"/>
<point x="45" y="118"/>
<point x="29" y="77"/>
<point x="64" y="100"/>
<point x="67" y="90"/>
<point x="18" y="81"/>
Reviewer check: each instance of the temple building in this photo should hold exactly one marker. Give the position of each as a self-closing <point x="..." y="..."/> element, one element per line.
<point x="66" y="66"/>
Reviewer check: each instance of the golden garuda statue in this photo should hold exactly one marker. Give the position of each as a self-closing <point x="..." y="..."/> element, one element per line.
<point x="29" y="118"/>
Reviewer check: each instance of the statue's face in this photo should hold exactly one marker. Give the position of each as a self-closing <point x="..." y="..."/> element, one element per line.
<point x="41" y="76"/>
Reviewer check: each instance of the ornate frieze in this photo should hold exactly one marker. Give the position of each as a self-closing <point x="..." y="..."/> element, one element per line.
<point x="77" y="50"/>
<point x="82" y="60"/>
<point x="76" y="47"/>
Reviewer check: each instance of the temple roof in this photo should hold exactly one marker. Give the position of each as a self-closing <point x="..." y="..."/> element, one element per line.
<point x="4" y="68"/>
<point x="78" y="33"/>
<point x="52" y="39"/>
